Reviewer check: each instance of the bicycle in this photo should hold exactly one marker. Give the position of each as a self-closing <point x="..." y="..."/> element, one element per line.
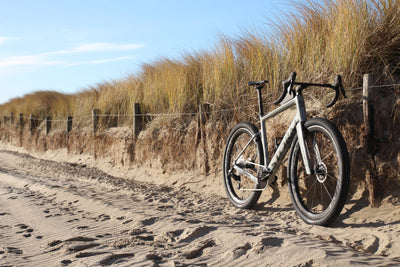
<point x="318" y="169"/>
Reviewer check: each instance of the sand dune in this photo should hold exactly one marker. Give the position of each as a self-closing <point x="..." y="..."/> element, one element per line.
<point x="58" y="213"/>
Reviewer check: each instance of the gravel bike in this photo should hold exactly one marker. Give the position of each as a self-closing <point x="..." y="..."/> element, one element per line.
<point x="318" y="169"/>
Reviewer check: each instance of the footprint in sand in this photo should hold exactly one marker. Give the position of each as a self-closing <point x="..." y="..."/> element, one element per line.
<point x="165" y="207"/>
<point x="267" y="243"/>
<point x="190" y="233"/>
<point x="194" y="221"/>
<point x="240" y="251"/>
<point x="170" y="236"/>
<point x="194" y="253"/>
<point x="103" y="217"/>
<point x="22" y="226"/>
<point x="82" y="246"/>
<point x="149" y="221"/>
<point x="163" y="200"/>
<point x="66" y="262"/>
<point x="137" y="231"/>
<point x="113" y="258"/>
<point x="73" y="220"/>
<point x="54" y="243"/>
<point x="25" y="231"/>
<point x="155" y="258"/>
<point x="13" y="250"/>
<point x="127" y="221"/>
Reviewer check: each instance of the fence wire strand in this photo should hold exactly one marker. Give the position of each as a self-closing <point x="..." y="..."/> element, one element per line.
<point x="178" y="114"/>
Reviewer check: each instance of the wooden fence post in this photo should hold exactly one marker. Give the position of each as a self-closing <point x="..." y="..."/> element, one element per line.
<point x="204" y="109"/>
<point x="69" y="128"/>
<point x="95" y="120"/>
<point x="137" y="119"/>
<point x="31" y="123"/>
<point x="372" y="178"/>
<point x="69" y="124"/>
<point x="48" y="125"/>
<point x="21" y="120"/>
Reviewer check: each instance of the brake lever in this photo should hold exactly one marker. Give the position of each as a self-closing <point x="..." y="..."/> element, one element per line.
<point x="287" y="87"/>
<point x="338" y="87"/>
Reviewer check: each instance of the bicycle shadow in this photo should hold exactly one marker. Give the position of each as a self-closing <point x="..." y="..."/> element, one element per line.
<point x="358" y="206"/>
<point x="343" y="221"/>
<point x="267" y="205"/>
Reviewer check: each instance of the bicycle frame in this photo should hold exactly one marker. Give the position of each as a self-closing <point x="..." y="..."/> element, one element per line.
<point x="318" y="170"/>
<point x="296" y="126"/>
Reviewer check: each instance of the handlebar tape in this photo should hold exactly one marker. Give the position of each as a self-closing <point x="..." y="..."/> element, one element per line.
<point x="338" y="87"/>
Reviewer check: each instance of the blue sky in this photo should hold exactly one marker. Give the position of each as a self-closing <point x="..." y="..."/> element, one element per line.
<point x="69" y="45"/>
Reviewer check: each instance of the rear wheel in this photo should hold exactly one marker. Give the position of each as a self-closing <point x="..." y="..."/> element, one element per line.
<point x="319" y="197"/>
<point x="239" y="187"/>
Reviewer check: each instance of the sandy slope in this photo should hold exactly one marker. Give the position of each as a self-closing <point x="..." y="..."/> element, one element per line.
<point x="55" y="213"/>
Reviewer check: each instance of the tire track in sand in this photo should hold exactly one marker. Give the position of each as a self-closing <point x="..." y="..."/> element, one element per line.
<point x="69" y="214"/>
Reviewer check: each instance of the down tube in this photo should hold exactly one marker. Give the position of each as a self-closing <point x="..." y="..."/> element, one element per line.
<point x="263" y="119"/>
<point x="284" y="146"/>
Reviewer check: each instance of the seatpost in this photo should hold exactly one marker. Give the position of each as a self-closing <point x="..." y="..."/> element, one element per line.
<point x="260" y="105"/>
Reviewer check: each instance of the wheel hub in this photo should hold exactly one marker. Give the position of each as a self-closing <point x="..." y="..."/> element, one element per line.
<point x="321" y="172"/>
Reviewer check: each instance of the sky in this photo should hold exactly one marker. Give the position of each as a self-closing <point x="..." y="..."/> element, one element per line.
<point x="70" y="45"/>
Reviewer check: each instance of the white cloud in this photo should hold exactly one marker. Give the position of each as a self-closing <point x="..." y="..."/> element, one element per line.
<point x="47" y="58"/>
<point x="4" y="39"/>
<point x="99" y="61"/>
<point x="102" y="47"/>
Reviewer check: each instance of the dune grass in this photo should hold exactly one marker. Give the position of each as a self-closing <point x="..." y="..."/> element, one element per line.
<point x="42" y="104"/>
<point x="318" y="40"/>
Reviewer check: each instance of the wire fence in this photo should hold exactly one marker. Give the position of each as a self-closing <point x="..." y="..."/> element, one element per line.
<point x="205" y="111"/>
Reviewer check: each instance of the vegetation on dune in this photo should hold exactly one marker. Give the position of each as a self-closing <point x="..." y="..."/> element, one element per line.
<point x="41" y="103"/>
<point x="319" y="40"/>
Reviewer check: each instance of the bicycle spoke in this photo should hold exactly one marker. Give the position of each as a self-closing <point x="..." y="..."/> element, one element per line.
<point x="327" y="156"/>
<point x="310" y="189"/>
<point x="327" y="191"/>
<point x="332" y="177"/>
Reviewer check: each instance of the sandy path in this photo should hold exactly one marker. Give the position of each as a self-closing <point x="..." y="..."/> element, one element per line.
<point x="63" y="214"/>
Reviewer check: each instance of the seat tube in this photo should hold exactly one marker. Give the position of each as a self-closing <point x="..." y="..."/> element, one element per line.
<point x="264" y="141"/>
<point x="301" y="111"/>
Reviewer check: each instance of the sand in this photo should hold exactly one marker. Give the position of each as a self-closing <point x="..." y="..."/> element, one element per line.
<point x="63" y="210"/>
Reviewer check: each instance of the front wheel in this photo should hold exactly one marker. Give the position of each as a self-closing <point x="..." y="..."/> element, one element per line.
<point x="244" y="150"/>
<point x="319" y="197"/>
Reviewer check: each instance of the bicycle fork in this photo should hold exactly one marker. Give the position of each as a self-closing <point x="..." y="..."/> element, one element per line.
<point x="301" y="111"/>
